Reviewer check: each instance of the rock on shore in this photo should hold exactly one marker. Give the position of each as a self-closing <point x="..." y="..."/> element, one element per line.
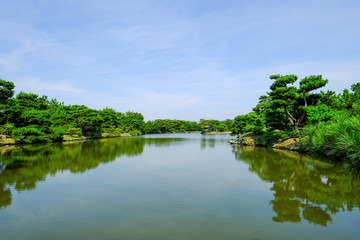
<point x="286" y="143"/>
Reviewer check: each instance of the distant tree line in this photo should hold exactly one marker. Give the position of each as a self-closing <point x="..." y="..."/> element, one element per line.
<point x="30" y="118"/>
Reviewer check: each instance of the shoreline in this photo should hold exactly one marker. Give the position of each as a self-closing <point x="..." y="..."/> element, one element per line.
<point x="12" y="142"/>
<point x="216" y="133"/>
<point x="287" y="143"/>
<point x="7" y="141"/>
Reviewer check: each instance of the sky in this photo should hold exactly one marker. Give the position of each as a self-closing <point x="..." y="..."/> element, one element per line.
<point x="175" y="59"/>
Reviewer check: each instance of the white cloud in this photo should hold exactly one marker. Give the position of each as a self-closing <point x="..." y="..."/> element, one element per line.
<point x="35" y="85"/>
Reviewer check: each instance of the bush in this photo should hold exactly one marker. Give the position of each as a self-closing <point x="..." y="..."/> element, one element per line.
<point x="320" y="113"/>
<point x="251" y="122"/>
<point x="29" y="134"/>
<point x="337" y="140"/>
<point x="222" y="127"/>
<point x="6" y="128"/>
<point x="73" y="131"/>
<point x="135" y="133"/>
<point x="56" y="133"/>
<point x="36" y="139"/>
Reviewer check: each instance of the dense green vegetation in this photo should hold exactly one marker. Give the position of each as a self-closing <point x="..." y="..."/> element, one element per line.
<point x="326" y="123"/>
<point x="337" y="139"/>
<point x="30" y="118"/>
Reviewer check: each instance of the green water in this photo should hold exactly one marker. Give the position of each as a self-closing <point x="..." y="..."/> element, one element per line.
<point x="175" y="186"/>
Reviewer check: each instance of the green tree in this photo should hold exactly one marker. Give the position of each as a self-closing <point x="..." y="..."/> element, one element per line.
<point x="6" y="128"/>
<point x="222" y="127"/>
<point x="6" y="92"/>
<point x="251" y="122"/>
<point x="110" y="117"/>
<point x="29" y="134"/>
<point x="294" y="100"/>
<point x="131" y="121"/>
<point x="331" y="99"/>
<point x="320" y="113"/>
<point x="349" y="97"/>
<point x="89" y="120"/>
<point x="19" y="108"/>
<point x="274" y="116"/>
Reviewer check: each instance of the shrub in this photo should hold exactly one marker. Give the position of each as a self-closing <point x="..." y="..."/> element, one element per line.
<point x="56" y="133"/>
<point x="6" y="128"/>
<point x="135" y="133"/>
<point x="73" y="131"/>
<point x="29" y="134"/>
<point x="222" y="127"/>
<point x="337" y="140"/>
<point x="320" y="113"/>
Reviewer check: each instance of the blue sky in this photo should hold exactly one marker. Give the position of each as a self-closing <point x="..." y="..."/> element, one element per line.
<point x="175" y="59"/>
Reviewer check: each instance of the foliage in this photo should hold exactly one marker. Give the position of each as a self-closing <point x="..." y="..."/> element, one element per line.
<point x="29" y="134"/>
<point x="6" y="90"/>
<point x="320" y="113"/>
<point x="135" y="132"/>
<point x="337" y="140"/>
<point x="170" y="126"/>
<point x="112" y="131"/>
<point x="56" y="133"/>
<point x="294" y="100"/>
<point x="110" y="118"/>
<point x="73" y="131"/>
<point x="88" y="120"/>
<point x="215" y="125"/>
<point x="343" y="101"/>
<point x="29" y="117"/>
<point x="331" y="120"/>
<point x="222" y="127"/>
<point x="6" y="128"/>
<point x="280" y="134"/>
<point x="251" y="122"/>
<point x="131" y="121"/>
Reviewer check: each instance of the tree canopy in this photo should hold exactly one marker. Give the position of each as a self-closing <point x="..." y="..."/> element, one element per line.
<point x="294" y="100"/>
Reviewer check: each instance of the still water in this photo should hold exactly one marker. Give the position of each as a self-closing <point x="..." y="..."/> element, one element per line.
<point x="174" y="186"/>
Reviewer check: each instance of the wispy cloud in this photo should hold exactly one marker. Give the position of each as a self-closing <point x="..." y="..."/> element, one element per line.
<point x="34" y="85"/>
<point x="10" y="61"/>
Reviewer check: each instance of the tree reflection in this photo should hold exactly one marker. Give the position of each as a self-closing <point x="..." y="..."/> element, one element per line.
<point x="22" y="167"/>
<point x="207" y="142"/>
<point x="303" y="188"/>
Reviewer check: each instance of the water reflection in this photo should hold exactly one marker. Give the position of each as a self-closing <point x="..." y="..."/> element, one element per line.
<point x="303" y="189"/>
<point x="210" y="141"/>
<point x="22" y="167"/>
<point x="207" y="142"/>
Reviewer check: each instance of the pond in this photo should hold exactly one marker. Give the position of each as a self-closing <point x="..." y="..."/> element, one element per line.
<point x="172" y="186"/>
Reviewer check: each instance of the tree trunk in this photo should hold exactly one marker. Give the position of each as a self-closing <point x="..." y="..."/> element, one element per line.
<point x="296" y="126"/>
<point x="296" y="122"/>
